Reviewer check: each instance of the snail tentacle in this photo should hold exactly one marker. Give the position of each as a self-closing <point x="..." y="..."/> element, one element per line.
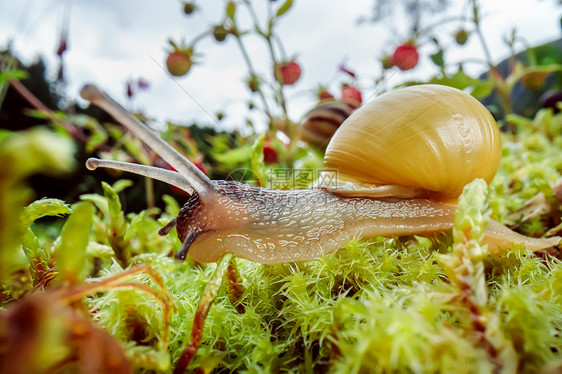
<point x="169" y="226"/>
<point x="196" y="178"/>
<point x="181" y="254"/>
<point x="170" y="177"/>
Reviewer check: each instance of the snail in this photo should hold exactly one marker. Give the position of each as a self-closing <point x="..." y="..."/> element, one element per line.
<point x="322" y="121"/>
<point x="401" y="162"/>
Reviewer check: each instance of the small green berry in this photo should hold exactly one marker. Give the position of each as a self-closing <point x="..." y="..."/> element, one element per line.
<point x="220" y="33"/>
<point x="189" y="7"/>
<point x="461" y="37"/>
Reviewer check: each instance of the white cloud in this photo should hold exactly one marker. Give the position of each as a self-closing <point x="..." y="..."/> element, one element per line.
<point x="113" y="41"/>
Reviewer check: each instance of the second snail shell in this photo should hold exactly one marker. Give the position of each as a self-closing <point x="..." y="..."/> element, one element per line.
<point x="426" y="140"/>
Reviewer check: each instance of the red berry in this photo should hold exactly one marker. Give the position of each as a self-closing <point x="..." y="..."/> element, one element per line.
<point x="201" y="166"/>
<point x="405" y="57"/>
<point x="270" y="155"/>
<point x="179" y="63"/>
<point x="198" y="163"/>
<point x="351" y="95"/>
<point x="288" y="72"/>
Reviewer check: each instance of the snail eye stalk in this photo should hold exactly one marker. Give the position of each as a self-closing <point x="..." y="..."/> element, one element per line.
<point x="195" y="177"/>
<point x="170" y="177"/>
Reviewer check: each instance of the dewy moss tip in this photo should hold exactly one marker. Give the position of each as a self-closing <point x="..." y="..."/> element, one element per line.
<point x="472" y="215"/>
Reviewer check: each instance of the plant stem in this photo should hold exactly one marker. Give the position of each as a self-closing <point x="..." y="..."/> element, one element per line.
<point x="75" y="132"/>
<point x="199" y="37"/>
<point x="255" y="17"/>
<point x="268" y="38"/>
<point x="281" y="47"/>
<point x="149" y="185"/>
<point x="235" y="287"/>
<point x="203" y="307"/>
<point x="252" y="72"/>
<point x="280" y="92"/>
<point x="428" y="28"/>
<point x="476" y="21"/>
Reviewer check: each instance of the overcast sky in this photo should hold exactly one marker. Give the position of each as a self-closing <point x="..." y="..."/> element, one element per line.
<point x="113" y="41"/>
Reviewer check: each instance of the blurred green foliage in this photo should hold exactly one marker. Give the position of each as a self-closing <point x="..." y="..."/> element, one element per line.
<point x="21" y="155"/>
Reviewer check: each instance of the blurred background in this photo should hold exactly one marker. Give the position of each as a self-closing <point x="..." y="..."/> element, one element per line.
<point x="112" y="43"/>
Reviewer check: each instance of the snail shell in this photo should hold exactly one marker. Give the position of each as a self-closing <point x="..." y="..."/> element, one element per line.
<point x="320" y="123"/>
<point x="420" y="141"/>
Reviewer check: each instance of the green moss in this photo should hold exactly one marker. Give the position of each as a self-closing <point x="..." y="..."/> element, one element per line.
<point x="410" y="304"/>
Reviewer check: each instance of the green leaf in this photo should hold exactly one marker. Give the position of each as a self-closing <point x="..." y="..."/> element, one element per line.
<point x="230" y="10"/>
<point x="437" y="58"/>
<point x="173" y="44"/>
<point x="113" y="205"/>
<point x="99" y="201"/>
<point x="482" y="89"/>
<point x="30" y="245"/>
<point x="210" y="362"/>
<point x="74" y="239"/>
<point x="8" y="75"/>
<point x="462" y="81"/>
<point x="22" y="154"/>
<point x="34" y="211"/>
<point x="234" y="156"/>
<point x="256" y="160"/>
<point x="121" y="184"/>
<point x="519" y="121"/>
<point x="136" y="148"/>
<point x="543" y="68"/>
<point x="42" y="208"/>
<point x="140" y="223"/>
<point x="284" y="8"/>
<point x="458" y="80"/>
<point x="99" y="250"/>
<point x="35" y="113"/>
<point x="4" y="134"/>
<point x="98" y="135"/>
<point x="44" y="152"/>
<point x="172" y="206"/>
<point x="83" y="120"/>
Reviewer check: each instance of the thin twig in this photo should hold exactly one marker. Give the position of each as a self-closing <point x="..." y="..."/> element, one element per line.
<point x="252" y="72"/>
<point x="74" y="131"/>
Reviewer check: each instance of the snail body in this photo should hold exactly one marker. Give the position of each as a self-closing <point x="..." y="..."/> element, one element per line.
<point x="261" y="225"/>
<point x="271" y="226"/>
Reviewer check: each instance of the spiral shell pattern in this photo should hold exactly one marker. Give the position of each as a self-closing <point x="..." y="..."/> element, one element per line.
<point x="429" y="137"/>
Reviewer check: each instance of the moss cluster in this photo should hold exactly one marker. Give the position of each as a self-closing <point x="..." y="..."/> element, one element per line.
<point x="409" y="304"/>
